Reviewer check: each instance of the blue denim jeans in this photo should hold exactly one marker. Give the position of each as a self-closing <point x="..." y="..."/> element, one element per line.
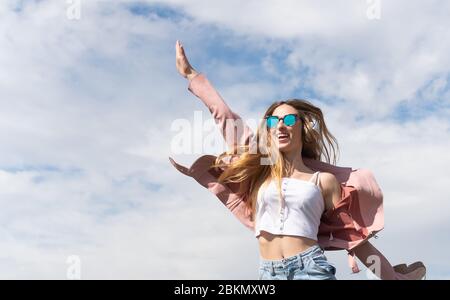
<point x="311" y="264"/>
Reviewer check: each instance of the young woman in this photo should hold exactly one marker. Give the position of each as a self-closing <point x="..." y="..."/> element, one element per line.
<point x="297" y="205"/>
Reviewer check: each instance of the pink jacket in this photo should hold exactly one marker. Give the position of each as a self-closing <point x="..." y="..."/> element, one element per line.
<point x="356" y="218"/>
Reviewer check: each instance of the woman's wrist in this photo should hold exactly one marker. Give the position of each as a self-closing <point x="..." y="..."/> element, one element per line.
<point x="191" y="75"/>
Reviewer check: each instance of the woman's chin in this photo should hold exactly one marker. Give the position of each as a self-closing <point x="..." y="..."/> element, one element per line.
<point x="283" y="146"/>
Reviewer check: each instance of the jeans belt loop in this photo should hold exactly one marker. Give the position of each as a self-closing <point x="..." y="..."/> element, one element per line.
<point x="300" y="262"/>
<point x="272" y="268"/>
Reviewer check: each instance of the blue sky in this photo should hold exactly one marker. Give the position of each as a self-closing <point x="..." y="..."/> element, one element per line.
<point x="87" y="106"/>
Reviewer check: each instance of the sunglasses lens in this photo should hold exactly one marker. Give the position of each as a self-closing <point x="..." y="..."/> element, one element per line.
<point x="289" y="120"/>
<point x="272" y="122"/>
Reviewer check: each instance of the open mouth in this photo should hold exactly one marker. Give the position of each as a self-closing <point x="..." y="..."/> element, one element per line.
<point x="283" y="137"/>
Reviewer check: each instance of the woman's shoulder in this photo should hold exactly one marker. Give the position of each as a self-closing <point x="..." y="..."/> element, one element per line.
<point x="329" y="183"/>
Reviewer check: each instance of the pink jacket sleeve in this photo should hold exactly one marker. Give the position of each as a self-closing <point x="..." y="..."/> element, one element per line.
<point x="232" y="127"/>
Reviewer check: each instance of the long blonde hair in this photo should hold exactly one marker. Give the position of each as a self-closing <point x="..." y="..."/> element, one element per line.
<point x="247" y="169"/>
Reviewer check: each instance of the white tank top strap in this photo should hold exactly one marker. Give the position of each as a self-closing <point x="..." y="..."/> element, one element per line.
<point x="315" y="178"/>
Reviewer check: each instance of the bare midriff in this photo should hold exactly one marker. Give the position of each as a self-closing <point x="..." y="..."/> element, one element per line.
<point x="276" y="247"/>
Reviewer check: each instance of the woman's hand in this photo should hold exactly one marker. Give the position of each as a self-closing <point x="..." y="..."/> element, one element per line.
<point x="182" y="63"/>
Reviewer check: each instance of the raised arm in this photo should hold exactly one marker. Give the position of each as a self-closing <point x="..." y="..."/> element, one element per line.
<point x="233" y="128"/>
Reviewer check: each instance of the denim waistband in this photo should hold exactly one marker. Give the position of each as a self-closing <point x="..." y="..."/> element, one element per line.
<point x="282" y="263"/>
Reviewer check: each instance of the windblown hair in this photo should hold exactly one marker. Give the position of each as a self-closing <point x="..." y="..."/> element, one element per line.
<point x="254" y="167"/>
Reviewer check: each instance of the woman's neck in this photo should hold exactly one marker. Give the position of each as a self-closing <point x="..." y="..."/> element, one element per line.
<point x="295" y="161"/>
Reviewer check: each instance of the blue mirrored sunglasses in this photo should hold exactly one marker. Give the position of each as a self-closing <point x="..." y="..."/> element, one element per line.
<point x="288" y="120"/>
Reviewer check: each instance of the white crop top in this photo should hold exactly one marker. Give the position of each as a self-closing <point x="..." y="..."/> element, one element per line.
<point x="298" y="213"/>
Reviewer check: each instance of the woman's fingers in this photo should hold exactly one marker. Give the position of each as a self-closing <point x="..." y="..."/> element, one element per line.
<point x="180" y="46"/>
<point x="182" y="63"/>
<point x="178" y="49"/>
<point x="179" y="52"/>
<point x="179" y="60"/>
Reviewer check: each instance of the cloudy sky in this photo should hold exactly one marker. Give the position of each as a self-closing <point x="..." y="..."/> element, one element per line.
<point x="89" y="91"/>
